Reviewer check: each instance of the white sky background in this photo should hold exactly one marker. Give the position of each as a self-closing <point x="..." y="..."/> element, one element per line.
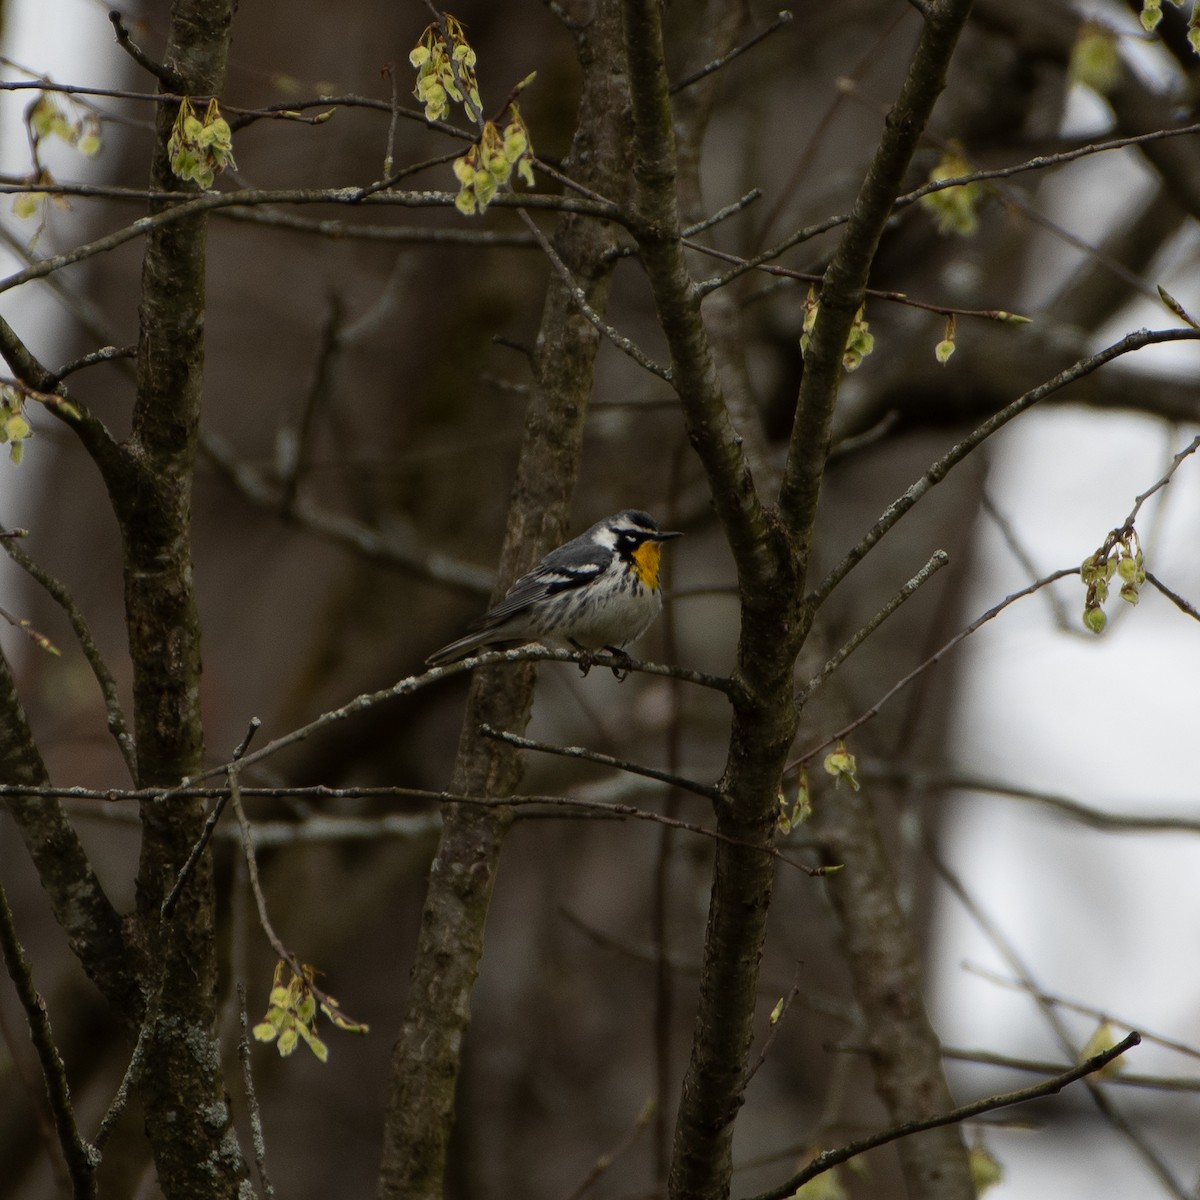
<point x="1110" y="921"/>
<point x="69" y="40"/>
<point x="1110" y="721"/>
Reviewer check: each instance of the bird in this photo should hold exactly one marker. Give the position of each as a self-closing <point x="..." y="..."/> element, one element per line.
<point x="599" y="591"/>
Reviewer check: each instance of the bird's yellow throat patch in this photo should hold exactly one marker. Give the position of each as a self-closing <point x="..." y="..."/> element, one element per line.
<point x="646" y="560"/>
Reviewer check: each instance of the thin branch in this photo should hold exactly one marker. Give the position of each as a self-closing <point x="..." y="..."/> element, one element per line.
<point x="25" y="626"/>
<point x="104" y="354"/>
<point x="944" y="465"/>
<point x="129" y="1079"/>
<point x="1094" y="818"/>
<point x="710" y="793"/>
<point x="1018" y="551"/>
<point x="60" y="594"/>
<point x="260" y="900"/>
<point x="393" y="120"/>
<point x="782" y="19"/>
<point x="945" y="310"/>
<point x="1099" y="1098"/>
<point x="1039" y="163"/>
<point x="399" y="547"/>
<point x="212" y="201"/>
<point x="1176" y="599"/>
<point x="414" y="683"/>
<point x="777" y="1015"/>
<point x="402" y="235"/>
<point x="936" y="562"/>
<point x="1085" y="1010"/>
<point x="81" y="1158"/>
<point x="937" y="656"/>
<point x="622" y="343"/>
<point x="170" y="79"/>
<point x="1157" y="486"/>
<point x="987" y="1058"/>
<point x="1049" y="1087"/>
<point x="606" y="1160"/>
<point x="257" y="1138"/>
<point x="210" y="825"/>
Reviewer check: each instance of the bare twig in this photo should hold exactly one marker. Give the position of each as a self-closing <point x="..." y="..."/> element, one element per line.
<point x="257" y="1137"/>
<point x="777" y="1015"/>
<point x="1159" y="484"/>
<point x="710" y="793"/>
<point x="1038" y="163"/>
<point x="987" y="1058"/>
<point x="168" y="905"/>
<point x="1099" y="1098"/>
<point x="1049" y="1087"/>
<point x="193" y="205"/>
<point x="936" y="562"/>
<point x="393" y="120"/>
<point x="940" y="469"/>
<point x="606" y="1160"/>
<point x="1174" y="597"/>
<point x="618" y="339"/>
<point x="1018" y="551"/>
<point x="1094" y="818"/>
<point x="1085" y="1010"/>
<point x="104" y="354"/>
<point x="937" y="656"/>
<point x="783" y="18"/>
<point x="61" y="595"/>
<point x="260" y="900"/>
<point x="81" y="1158"/>
<point x="399" y="547"/>
<point x="171" y="80"/>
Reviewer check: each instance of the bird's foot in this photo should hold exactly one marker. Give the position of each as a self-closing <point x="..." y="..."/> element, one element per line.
<point x="623" y="664"/>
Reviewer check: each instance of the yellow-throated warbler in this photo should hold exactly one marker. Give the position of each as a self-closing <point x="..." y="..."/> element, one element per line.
<point x="597" y="592"/>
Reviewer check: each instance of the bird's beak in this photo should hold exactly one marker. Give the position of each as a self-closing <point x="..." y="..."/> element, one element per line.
<point x="664" y="535"/>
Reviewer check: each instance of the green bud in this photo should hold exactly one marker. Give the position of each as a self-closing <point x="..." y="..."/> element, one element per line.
<point x="1094" y="619"/>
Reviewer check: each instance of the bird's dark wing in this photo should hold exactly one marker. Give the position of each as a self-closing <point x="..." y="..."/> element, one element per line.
<point x="570" y="566"/>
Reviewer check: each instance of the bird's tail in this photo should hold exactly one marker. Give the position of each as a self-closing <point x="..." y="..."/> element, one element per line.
<point x="456" y="650"/>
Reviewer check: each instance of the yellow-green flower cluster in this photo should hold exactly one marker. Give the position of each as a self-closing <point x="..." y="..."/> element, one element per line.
<point x="1152" y="14"/>
<point x="1124" y="559"/>
<point x="955" y="208"/>
<point x="1094" y="59"/>
<point x="46" y="118"/>
<point x="840" y="763"/>
<point x="488" y="165"/>
<point x="445" y="72"/>
<point x="200" y="149"/>
<point x="859" y="343"/>
<point x="291" y="1015"/>
<point x="15" y="429"/>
